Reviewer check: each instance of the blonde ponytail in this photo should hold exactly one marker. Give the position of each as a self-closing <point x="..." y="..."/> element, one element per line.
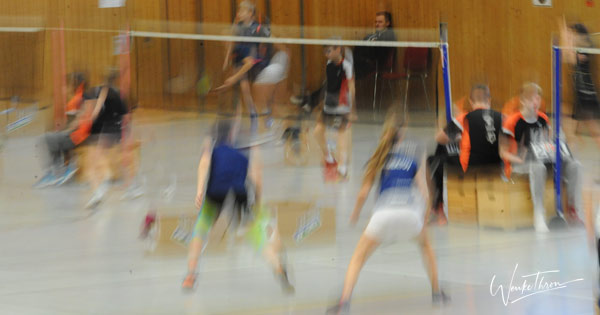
<point x="386" y="141"/>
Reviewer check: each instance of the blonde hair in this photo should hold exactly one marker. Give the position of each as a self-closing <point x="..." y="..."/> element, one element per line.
<point x="388" y="138"/>
<point x="530" y="88"/>
<point x="246" y="4"/>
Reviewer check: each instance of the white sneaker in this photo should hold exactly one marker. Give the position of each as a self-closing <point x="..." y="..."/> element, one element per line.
<point x="133" y="192"/>
<point x="97" y="196"/>
<point x="539" y="223"/>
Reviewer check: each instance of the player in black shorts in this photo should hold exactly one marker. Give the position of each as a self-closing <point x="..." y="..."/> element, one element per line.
<point x="339" y="99"/>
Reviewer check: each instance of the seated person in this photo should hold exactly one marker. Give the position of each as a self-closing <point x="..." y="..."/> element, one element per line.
<point x="60" y="144"/>
<point x="79" y="84"/>
<point x="531" y="148"/>
<point x="448" y="149"/>
<point x="369" y="59"/>
<point x="514" y="104"/>
<point x="479" y="131"/>
<point x="463" y="106"/>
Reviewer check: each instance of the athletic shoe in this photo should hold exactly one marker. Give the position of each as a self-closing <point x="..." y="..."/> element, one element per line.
<point x="69" y="173"/>
<point x="169" y="191"/>
<point x="573" y="219"/>
<point x="297" y="99"/>
<point x="148" y="223"/>
<point x="343" y="307"/>
<point x="342" y="171"/>
<point x="48" y="180"/>
<point x="97" y="196"/>
<point x="438" y="217"/>
<point x="440" y="297"/>
<point x="133" y="192"/>
<point x="189" y="283"/>
<point x="286" y="286"/>
<point x="269" y="122"/>
<point x="539" y="223"/>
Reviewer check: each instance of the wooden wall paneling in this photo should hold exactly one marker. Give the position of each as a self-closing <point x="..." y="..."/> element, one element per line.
<point x="530" y="34"/>
<point x="19" y="57"/>
<point x="182" y="55"/>
<point x="285" y="18"/>
<point x="478" y="46"/>
<point x="216" y="15"/>
<point x="92" y="50"/>
<point x="150" y="55"/>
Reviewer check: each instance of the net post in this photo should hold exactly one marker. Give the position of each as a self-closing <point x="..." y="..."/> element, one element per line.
<point x="446" y="70"/>
<point x="557" y="110"/>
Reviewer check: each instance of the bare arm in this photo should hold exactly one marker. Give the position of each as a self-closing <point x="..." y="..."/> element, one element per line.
<point x="248" y="64"/>
<point x="421" y="181"/>
<point x="203" y="169"/>
<point x="100" y="102"/>
<point x="255" y="172"/>
<point x="227" y="55"/>
<point x="567" y="40"/>
<point x="442" y="138"/>
<point x="505" y="154"/>
<point x="363" y="194"/>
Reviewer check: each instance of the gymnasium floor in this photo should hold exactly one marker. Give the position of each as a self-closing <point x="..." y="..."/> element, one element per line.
<point x="58" y="258"/>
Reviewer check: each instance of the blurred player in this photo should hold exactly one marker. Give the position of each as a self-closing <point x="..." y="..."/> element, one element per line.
<point x="401" y="208"/>
<point x="230" y="186"/>
<point x="339" y="100"/>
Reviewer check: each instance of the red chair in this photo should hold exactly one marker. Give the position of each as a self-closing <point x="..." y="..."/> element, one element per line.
<point x="416" y="65"/>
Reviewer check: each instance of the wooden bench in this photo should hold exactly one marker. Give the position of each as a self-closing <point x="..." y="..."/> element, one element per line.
<point x="508" y="204"/>
<point x="485" y="198"/>
<point x="460" y="195"/>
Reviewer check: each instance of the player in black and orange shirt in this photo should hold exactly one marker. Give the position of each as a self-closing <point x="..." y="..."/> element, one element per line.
<point x="531" y="148"/>
<point x="480" y="132"/>
<point x="60" y="144"/>
<point x="477" y="132"/>
<point x="469" y="139"/>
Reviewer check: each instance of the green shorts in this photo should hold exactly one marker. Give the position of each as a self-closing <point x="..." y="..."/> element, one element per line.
<point x="259" y="229"/>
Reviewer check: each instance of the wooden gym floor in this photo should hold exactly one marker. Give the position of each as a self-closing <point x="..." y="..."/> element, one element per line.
<point x="58" y="258"/>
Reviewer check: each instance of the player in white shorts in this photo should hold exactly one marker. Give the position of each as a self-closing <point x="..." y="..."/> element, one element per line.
<point x="400" y="210"/>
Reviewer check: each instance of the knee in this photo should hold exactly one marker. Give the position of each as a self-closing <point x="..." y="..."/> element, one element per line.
<point x="538" y="169"/>
<point x="573" y="165"/>
<point x="319" y="129"/>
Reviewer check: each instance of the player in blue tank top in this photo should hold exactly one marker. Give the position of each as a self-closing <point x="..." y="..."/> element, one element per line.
<point x="230" y="184"/>
<point x="400" y="210"/>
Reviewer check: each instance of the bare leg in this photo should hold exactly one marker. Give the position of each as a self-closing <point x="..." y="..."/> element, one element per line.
<point x="263" y="95"/>
<point x="194" y="254"/>
<point x="429" y="260"/>
<point x="272" y="251"/>
<point x="247" y="95"/>
<point x="99" y="171"/>
<point x="365" y="247"/>
<point x="320" y="135"/>
<point x="342" y="145"/>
